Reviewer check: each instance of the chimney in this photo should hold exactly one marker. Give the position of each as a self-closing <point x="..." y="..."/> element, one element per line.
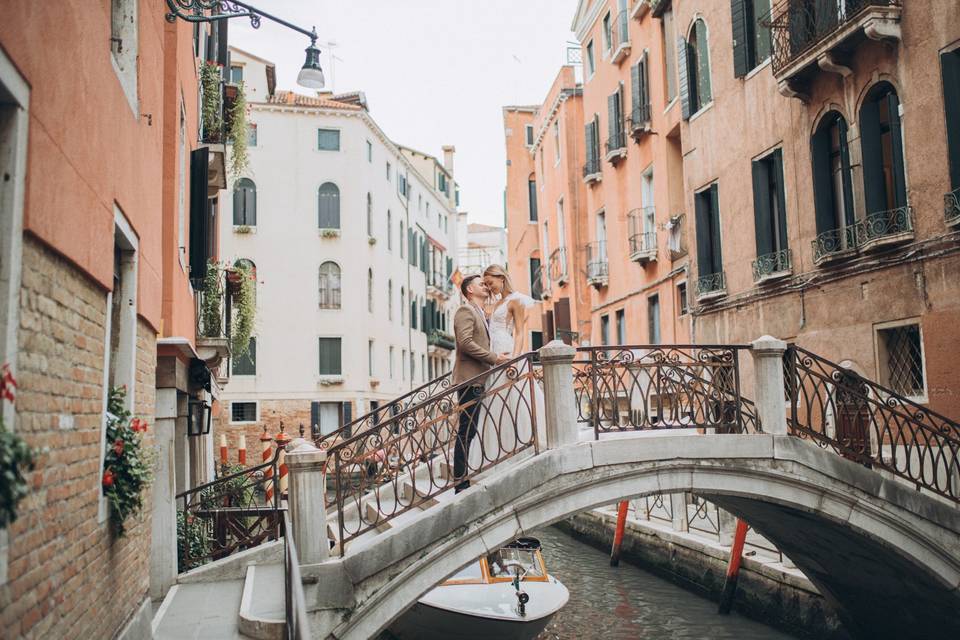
<point x="448" y="151"/>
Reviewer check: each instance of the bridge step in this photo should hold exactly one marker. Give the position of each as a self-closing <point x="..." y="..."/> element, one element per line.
<point x="408" y="495"/>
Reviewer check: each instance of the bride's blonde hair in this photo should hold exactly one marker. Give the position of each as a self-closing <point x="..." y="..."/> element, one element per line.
<point x="497" y="271"/>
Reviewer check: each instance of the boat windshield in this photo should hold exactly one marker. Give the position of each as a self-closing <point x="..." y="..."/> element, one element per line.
<point x="470" y="573"/>
<point x="505" y="563"/>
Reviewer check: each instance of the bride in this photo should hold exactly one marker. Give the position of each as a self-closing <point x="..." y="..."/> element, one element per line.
<point x="505" y="418"/>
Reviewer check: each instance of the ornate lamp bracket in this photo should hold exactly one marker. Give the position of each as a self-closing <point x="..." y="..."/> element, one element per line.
<point x="214" y="10"/>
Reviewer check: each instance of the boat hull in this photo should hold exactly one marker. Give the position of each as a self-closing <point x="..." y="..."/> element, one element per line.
<point x="424" y="622"/>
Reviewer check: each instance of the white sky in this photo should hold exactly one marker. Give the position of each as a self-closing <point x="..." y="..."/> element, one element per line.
<point x="435" y="72"/>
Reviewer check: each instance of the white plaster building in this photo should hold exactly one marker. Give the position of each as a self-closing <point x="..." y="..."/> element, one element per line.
<point x="481" y="245"/>
<point x="353" y="244"/>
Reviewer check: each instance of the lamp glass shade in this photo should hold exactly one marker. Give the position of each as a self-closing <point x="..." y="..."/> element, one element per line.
<point x="311" y="75"/>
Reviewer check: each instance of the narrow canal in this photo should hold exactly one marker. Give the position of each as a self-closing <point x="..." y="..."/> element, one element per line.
<point x="629" y="603"/>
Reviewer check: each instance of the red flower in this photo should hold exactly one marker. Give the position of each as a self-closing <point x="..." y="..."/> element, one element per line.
<point x="107" y="478"/>
<point x="7" y="383"/>
<point x="118" y="447"/>
<point x="138" y="425"/>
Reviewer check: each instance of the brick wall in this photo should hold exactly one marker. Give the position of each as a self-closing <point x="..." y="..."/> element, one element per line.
<point x="292" y="413"/>
<point x="68" y="576"/>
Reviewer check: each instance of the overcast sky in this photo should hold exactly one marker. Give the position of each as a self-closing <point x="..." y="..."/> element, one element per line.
<point x="435" y="72"/>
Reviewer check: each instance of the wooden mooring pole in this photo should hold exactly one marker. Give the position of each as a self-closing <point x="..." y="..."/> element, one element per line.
<point x="618" y="534"/>
<point x="733" y="568"/>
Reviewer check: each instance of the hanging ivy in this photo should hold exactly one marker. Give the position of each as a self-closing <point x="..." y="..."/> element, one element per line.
<point x="211" y="307"/>
<point x="239" y="160"/>
<point x="244" y="304"/>
<point x="15" y="457"/>
<point x="211" y="120"/>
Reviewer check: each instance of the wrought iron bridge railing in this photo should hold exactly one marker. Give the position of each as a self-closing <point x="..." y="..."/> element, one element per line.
<point x="857" y="418"/>
<point x="797" y="26"/>
<point x="237" y="511"/>
<point x="951" y="206"/>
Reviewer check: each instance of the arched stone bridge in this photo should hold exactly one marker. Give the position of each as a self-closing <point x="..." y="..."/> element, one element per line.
<point x="886" y="556"/>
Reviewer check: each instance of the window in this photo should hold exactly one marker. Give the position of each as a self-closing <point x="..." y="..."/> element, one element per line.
<point x="591" y="63"/>
<point x="709" y="259"/>
<point x="769" y="214"/>
<point x="402" y="184"/>
<point x="369" y="151"/>
<point x="640" y="93"/>
<point x="391" y="363"/>
<point x="528" y="133"/>
<point x="388" y="172"/>
<point x="403" y="305"/>
<point x="370" y="290"/>
<point x="682" y="298"/>
<point x="413" y="366"/>
<point x="615" y="139"/>
<point x="236" y="74"/>
<point x="328" y="206"/>
<point x="751" y="39"/>
<point x="123" y="47"/>
<point x="536" y="288"/>
<point x="556" y="141"/>
<point x="370" y="357"/>
<point x="389" y="231"/>
<point x="423" y="368"/>
<point x="413" y="311"/>
<point x="327" y="417"/>
<point x="330" y="364"/>
<point x="403" y="364"/>
<point x="246" y="365"/>
<point x="607" y="33"/>
<point x="669" y="53"/>
<point x="202" y="211"/>
<point x="182" y="188"/>
<point x="605" y="329"/>
<point x="621" y="327"/>
<point x="251" y="134"/>
<point x="328" y="139"/>
<point x="694" y="57"/>
<point x="536" y="340"/>
<point x="532" y="197"/>
<point x="884" y="178"/>
<point x="653" y="319"/>
<point x="369" y="216"/>
<point x="401" y="239"/>
<point x="900" y="359"/>
<point x="832" y="186"/>
<point x="442" y="182"/>
<point x="245" y="202"/>
<point x="329" y="285"/>
<point x="389" y="299"/>
<point x="950" y="71"/>
<point x="592" y="136"/>
<point x="243" y="412"/>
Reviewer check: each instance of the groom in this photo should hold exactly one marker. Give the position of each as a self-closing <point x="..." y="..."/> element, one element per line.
<point x="473" y="358"/>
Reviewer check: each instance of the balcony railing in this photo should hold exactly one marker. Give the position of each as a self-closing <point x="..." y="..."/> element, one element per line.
<point x="643" y="238"/>
<point x="772" y="266"/>
<point x="437" y="338"/>
<point x="558" y="265"/>
<point x="882" y="228"/>
<point x="951" y="207"/>
<point x="799" y="26"/>
<point x="591" y="170"/>
<point x="834" y="244"/>
<point x="640" y="119"/>
<point x="620" y="37"/>
<point x="598" y="269"/>
<point x="439" y="283"/>
<point x="616" y="146"/>
<point x="710" y="286"/>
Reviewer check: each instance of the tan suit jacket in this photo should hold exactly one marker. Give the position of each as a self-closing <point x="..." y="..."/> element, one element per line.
<point x="473" y="344"/>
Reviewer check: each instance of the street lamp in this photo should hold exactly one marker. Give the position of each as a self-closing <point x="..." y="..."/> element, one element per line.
<point x="310" y="76"/>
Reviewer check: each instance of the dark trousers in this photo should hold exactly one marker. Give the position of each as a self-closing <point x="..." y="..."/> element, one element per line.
<point x="467" y="430"/>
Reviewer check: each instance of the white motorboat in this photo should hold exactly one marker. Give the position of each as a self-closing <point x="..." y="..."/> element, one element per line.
<point x="506" y="595"/>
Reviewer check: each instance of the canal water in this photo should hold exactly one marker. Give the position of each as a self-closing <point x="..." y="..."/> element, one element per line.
<point x="629" y="603"/>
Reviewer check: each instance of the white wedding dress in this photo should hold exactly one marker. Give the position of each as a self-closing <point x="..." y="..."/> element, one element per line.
<point x="510" y="402"/>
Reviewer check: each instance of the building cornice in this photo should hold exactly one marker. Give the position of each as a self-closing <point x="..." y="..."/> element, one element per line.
<point x="587" y="13"/>
<point x="563" y="96"/>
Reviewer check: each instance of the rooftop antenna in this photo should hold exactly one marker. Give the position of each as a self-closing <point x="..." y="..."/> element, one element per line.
<point x="333" y="65"/>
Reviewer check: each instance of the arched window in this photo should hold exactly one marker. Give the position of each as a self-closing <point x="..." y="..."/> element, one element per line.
<point x="403" y="303"/>
<point x="244" y="263"/>
<point x="370" y="290"/>
<point x="695" y="93"/>
<point x="329" y="285"/>
<point x="328" y="206"/>
<point x="389" y="231"/>
<point x="369" y="215"/>
<point x="832" y="187"/>
<point x="884" y="178"/>
<point x="245" y="202"/>
<point x="390" y="299"/>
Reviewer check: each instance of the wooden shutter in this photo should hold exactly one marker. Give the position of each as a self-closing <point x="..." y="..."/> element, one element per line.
<point x="199" y="218"/>
<point x="873" y="179"/>
<point x="636" y="92"/>
<point x="704" y="92"/>
<point x="781" y="199"/>
<point x="763" y="225"/>
<point x="250" y="205"/>
<point x="704" y="250"/>
<point x="715" y="228"/>
<point x="612" y="118"/>
<point x="845" y="171"/>
<point x="561" y="315"/>
<point x="548" y="332"/>
<point x="741" y="35"/>
<point x="589" y="141"/>
<point x="346" y="415"/>
<point x="822" y="179"/>
<point x="239" y="202"/>
<point x="644" y="65"/>
<point x="950" y="70"/>
<point x="683" y="71"/>
<point x="223" y="51"/>
<point x="314" y="418"/>
<point x="896" y="141"/>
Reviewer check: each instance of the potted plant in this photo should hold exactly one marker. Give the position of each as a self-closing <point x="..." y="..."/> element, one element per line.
<point x="211" y="117"/>
<point x="127" y="462"/>
<point x="330" y="233"/>
<point x="244" y="304"/>
<point x="211" y="315"/>
<point x="237" y="135"/>
<point x="15" y="457"/>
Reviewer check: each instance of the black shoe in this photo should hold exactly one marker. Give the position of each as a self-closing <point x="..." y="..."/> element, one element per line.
<point x="461" y="487"/>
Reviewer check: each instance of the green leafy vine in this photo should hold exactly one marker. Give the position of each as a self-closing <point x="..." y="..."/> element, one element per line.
<point x="210" y="117"/>
<point x="244" y="302"/>
<point x="211" y="307"/>
<point x="15" y="456"/>
<point x="239" y="160"/>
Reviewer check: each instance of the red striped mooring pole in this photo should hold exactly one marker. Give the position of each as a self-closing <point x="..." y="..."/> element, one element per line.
<point x="618" y="533"/>
<point x="733" y="568"/>
<point x="223" y="449"/>
<point x="242" y="450"/>
<point x="267" y="443"/>
<point x="282" y="440"/>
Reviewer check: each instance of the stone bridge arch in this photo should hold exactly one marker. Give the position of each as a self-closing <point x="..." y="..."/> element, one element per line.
<point x="886" y="556"/>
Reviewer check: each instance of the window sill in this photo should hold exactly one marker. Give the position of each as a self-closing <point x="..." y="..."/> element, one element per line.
<point x="757" y="69"/>
<point x="329" y="380"/>
<point x="701" y="111"/>
<point x="244" y="229"/>
<point x="329" y="233"/>
<point x="243" y="423"/>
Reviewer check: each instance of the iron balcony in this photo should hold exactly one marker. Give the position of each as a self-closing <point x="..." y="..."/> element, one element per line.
<point x="643" y="240"/>
<point x="772" y="266"/>
<point x="710" y="286"/>
<point x="598" y="269"/>
<point x="951" y="207"/>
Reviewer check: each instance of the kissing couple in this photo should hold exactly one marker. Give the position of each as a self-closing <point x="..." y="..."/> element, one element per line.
<point x="490" y="330"/>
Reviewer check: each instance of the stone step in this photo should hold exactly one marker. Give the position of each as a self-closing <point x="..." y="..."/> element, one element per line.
<point x="200" y="610"/>
<point x="262" y="612"/>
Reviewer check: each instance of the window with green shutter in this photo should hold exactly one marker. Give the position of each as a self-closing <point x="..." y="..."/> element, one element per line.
<point x="770" y="221"/>
<point x="246" y="365"/>
<point x="751" y="37"/>
<point x="950" y="72"/>
<point x="832" y="185"/>
<point x="245" y="202"/>
<point x="328" y="206"/>
<point x="532" y="197"/>
<point x="330" y="362"/>
<point x="884" y="178"/>
<point x="328" y="139"/>
<point x="707" y="213"/>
